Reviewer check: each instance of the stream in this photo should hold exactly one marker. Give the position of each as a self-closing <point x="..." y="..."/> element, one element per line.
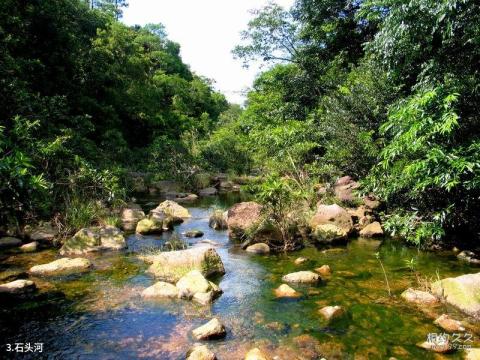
<point x="101" y="315"/>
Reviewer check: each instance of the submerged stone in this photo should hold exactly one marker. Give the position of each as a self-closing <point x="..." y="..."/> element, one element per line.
<point x="255" y="354"/>
<point x="449" y="324"/>
<point x="200" y="352"/>
<point x="213" y="329"/>
<point x="62" y="266"/>
<point x="419" y="297"/>
<point x="194" y="234"/>
<point x="331" y="312"/>
<point x="463" y="292"/>
<point x="300" y="260"/>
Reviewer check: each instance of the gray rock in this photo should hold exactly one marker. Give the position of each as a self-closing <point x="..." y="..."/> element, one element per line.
<point x="9" y="242"/>
<point x="18" y="287"/>
<point x="307" y="277"/>
<point x="259" y="248"/>
<point x="214" y="329"/>
<point x="93" y="239"/>
<point x="62" y="266"/>
<point x="161" y="290"/>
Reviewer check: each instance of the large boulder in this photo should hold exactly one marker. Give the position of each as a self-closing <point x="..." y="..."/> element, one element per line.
<point x="213" y="329"/>
<point x="172" y="209"/>
<point x="242" y="217"/>
<point x="344" y="189"/>
<point x="372" y="230"/>
<point x="94" y="239"/>
<point x="131" y="216"/>
<point x="463" y="292"/>
<point x="8" y="242"/>
<point x="62" y="266"/>
<point x="218" y="220"/>
<point x="306" y="277"/>
<point x="172" y="265"/>
<point x="330" y="223"/>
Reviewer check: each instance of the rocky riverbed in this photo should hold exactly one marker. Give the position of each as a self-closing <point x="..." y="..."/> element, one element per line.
<point x="328" y="303"/>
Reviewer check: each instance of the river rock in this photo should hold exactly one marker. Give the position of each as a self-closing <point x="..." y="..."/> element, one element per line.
<point x="131" y="216"/>
<point x="331" y="222"/>
<point x="30" y="247"/>
<point x="194" y="233"/>
<point x="62" y="266"/>
<point x="9" y="242"/>
<point x="18" y="287"/>
<point x="372" y="230"/>
<point x="214" y="329"/>
<point x="371" y="202"/>
<point x="259" y="248"/>
<point x="94" y="239"/>
<point x="286" y="291"/>
<point x="203" y="298"/>
<point x="172" y="265"/>
<point x="441" y="346"/>
<point x="463" y="292"/>
<point x="149" y="226"/>
<point x="419" y="297"/>
<point x="193" y="282"/>
<point x="307" y="277"/>
<point x="43" y="233"/>
<point x="324" y="270"/>
<point x="344" y="189"/>
<point x="161" y="290"/>
<point x="242" y="217"/>
<point x="210" y="191"/>
<point x="172" y="209"/>
<point x="200" y="352"/>
<point x="469" y="256"/>
<point x="218" y="220"/>
<point x="300" y="260"/>
<point x="331" y="312"/>
<point x="255" y="354"/>
<point x="449" y="324"/>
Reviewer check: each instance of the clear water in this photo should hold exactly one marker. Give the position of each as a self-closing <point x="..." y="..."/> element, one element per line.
<point x="100" y="315"/>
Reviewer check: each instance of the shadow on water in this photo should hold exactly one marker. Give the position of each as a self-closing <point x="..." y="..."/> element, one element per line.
<point x="101" y="315"/>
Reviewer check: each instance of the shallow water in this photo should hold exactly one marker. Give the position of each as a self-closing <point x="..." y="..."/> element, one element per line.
<point x="100" y="315"/>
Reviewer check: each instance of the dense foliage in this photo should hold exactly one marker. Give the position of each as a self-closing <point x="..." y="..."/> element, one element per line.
<point x="386" y="91"/>
<point x="84" y="99"/>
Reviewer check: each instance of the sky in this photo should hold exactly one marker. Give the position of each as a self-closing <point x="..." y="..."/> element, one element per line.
<point x="207" y="31"/>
